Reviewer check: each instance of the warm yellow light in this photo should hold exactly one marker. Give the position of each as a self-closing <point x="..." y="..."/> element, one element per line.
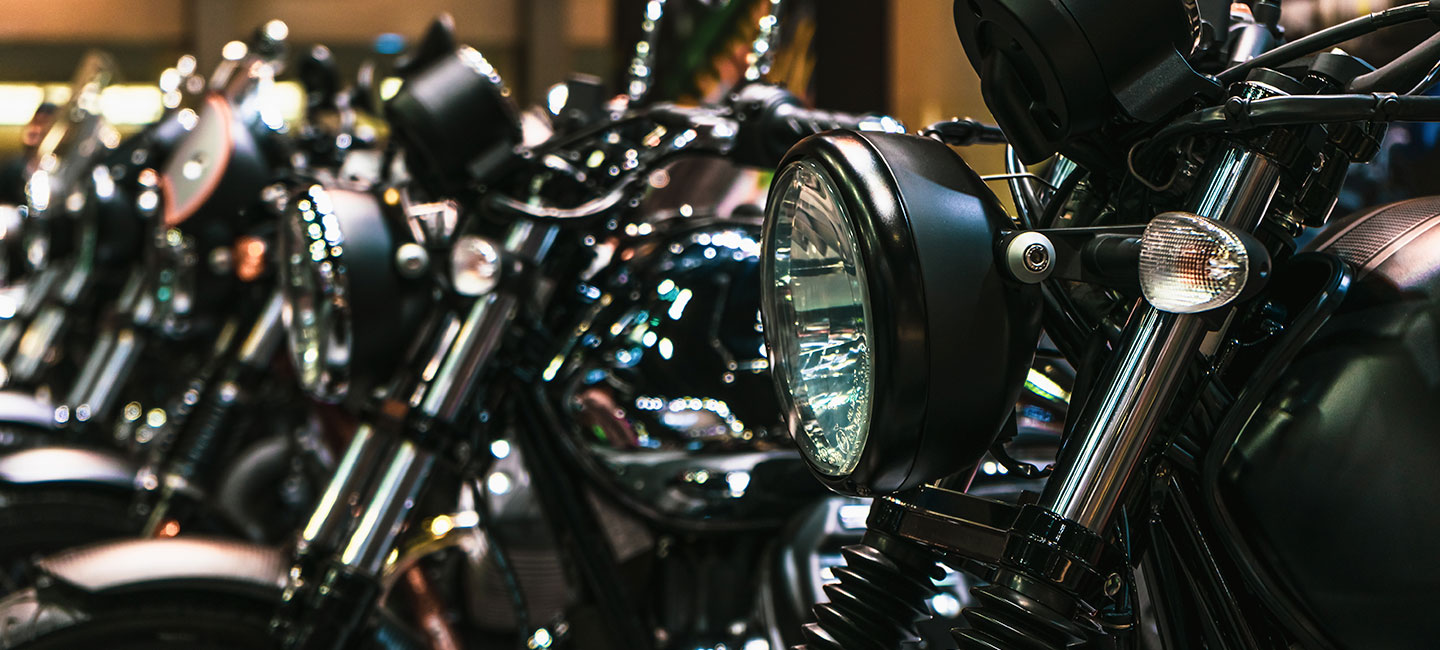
<point x="18" y="102"/>
<point x="388" y="87"/>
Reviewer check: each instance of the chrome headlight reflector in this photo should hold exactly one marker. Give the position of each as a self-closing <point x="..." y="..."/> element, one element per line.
<point x="316" y="309"/>
<point x="817" y="270"/>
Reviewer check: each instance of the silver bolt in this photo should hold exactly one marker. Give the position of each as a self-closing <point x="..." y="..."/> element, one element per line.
<point x="1113" y="584"/>
<point x="411" y="260"/>
<point x="1030" y="257"/>
<point x="1037" y="258"/>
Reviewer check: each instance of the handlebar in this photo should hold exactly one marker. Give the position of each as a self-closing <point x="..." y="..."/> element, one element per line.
<point x="772" y="120"/>
<point x="757" y="127"/>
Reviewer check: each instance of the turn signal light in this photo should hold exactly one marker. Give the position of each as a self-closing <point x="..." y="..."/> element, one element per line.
<point x="1191" y="264"/>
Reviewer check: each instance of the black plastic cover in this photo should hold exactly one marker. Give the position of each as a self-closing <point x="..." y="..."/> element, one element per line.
<point x="1332" y="485"/>
<point x="455" y="120"/>
<point x="1053" y="70"/>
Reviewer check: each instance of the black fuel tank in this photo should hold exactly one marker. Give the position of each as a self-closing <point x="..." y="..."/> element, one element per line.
<point x="1335" y="483"/>
<point x="663" y="382"/>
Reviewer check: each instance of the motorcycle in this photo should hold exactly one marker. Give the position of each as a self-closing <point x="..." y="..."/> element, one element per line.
<point x="357" y="269"/>
<point x="1245" y="461"/>
<point x="655" y="347"/>
<point x="93" y="469"/>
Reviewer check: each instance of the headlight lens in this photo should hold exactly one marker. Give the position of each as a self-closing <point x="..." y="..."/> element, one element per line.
<point x="316" y="313"/>
<point x="820" y="306"/>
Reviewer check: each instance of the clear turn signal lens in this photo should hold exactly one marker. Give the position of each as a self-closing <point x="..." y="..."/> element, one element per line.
<point x="1190" y="264"/>
<point x="474" y="265"/>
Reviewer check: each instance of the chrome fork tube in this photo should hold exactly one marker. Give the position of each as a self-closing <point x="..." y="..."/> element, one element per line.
<point x="334" y="510"/>
<point x="389" y="508"/>
<point x="478" y="339"/>
<point x="1118" y="423"/>
<point x="482" y="330"/>
<point x="327" y="614"/>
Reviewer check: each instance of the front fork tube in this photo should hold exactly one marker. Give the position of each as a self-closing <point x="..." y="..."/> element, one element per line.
<point x="32" y="351"/>
<point x="328" y="615"/>
<point x="1105" y="451"/>
<point x="1116" y="427"/>
<point x="334" y="584"/>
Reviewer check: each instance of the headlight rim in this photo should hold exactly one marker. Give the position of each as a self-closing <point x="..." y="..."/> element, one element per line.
<point x="871" y="204"/>
<point x="365" y="289"/>
<point x="954" y="336"/>
<point x="328" y="289"/>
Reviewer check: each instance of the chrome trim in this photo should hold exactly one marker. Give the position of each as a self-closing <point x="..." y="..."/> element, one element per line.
<point x="129" y="562"/>
<point x="1116" y="426"/>
<point x="388" y="509"/>
<point x="22" y="407"/>
<point x="36" y="343"/>
<point x="266" y="335"/>
<point x="312" y="247"/>
<point x="478" y="339"/>
<point x="92" y="400"/>
<point x="331" y="513"/>
<point x="98" y="358"/>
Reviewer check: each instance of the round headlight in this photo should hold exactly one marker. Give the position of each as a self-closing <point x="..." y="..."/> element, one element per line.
<point x="316" y="315"/>
<point x="344" y="299"/>
<point x="821" y="294"/>
<point x="898" y="347"/>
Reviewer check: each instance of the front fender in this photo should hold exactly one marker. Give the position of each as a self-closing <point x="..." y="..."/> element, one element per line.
<point x="22" y="408"/>
<point x="137" y="563"/>
<point x="66" y="465"/>
<point x="74" y="586"/>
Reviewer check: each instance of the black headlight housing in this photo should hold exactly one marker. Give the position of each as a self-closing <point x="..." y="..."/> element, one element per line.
<point x="952" y="338"/>
<point x="455" y="120"/>
<point x="346" y="300"/>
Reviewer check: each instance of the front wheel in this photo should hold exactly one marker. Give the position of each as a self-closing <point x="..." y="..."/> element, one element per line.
<point x="38" y="520"/>
<point x="209" y="619"/>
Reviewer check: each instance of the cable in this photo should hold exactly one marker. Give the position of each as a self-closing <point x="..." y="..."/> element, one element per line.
<point x="1328" y="37"/>
<point x="1061" y="197"/>
<point x="1027" y="200"/>
<point x="1404" y="72"/>
<point x="1426" y="83"/>
<point x="1239" y="114"/>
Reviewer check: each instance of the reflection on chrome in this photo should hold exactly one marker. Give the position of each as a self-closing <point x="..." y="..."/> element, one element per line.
<point x="827" y="365"/>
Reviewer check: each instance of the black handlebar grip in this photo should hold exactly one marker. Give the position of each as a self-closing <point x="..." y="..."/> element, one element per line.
<point x="773" y="120"/>
<point x="791" y="123"/>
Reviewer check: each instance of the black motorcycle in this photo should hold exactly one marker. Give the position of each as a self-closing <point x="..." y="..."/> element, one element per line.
<point x="1245" y="463"/>
<point x="174" y="420"/>
<point x="484" y="285"/>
